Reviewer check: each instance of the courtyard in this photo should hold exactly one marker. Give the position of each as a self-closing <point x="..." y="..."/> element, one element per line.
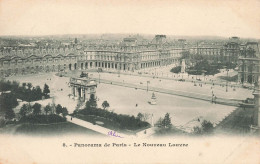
<point x="184" y="112"/>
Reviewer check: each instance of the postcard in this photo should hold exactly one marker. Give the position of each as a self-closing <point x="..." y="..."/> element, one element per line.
<point x="173" y="81"/>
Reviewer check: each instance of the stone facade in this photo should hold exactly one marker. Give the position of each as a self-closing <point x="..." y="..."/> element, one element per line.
<point x="129" y="55"/>
<point x="228" y="52"/>
<point x="249" y="64"/>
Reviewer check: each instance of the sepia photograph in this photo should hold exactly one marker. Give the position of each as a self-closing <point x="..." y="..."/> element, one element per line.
<point x="172" y="81"/>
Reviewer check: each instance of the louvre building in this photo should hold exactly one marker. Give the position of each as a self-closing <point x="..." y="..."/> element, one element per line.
<point x="128" y="55"/>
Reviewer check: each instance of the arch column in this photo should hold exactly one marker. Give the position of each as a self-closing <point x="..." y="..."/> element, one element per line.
<point x="84" y="93"/>
<point x="239" y="78"/>
<point x="73" y="91"/>
<point x="76" y="93"/>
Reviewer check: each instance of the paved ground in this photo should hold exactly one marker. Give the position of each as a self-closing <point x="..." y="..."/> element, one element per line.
<point x="184" y="111"/>
<point x="189" y="87"/>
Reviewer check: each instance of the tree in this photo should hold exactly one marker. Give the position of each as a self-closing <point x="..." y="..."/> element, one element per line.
<point x="140" y="116"/>
<point x="185" y="55"/>
<point x="58" y="109"/>
<point x="47" y="109"/>
<point x="159" y="122"/>
<point x="105" y="104"/>
<point x="36" y="108"/>
<point x="5" y="86"/>
<point x="46" y="90"/>
<point x="7" y="101"/>
<point x="29" y="85"/>
<point x="37" y="93"/>
<point x="64" y="111"/>
<point x="207" y="126"/>
<point x="146" y="116"/>
<point x="24" y="85"/>
<point x="25" y="109"/>
<point x="176" y="69"/>
<point x="91" y="103"/>
<point x="15" y="85"/>
<point x="9" y="114"/>
<point x="166" y="122"/>
<point x="197" y="130"/>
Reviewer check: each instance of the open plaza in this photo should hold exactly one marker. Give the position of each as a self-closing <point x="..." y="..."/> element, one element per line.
<point x="185" y="112"/>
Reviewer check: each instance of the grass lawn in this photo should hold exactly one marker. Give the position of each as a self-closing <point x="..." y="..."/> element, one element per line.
<point x="107" y="123"/>
<point x="65" y="128"/>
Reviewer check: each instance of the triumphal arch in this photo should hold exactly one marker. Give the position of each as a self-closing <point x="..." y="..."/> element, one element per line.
<point x="82" y="88"/>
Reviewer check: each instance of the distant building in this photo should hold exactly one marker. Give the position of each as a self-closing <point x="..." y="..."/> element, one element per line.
<point x="128" y="55"/>
<point x="231" y="50"/>
<point x="228" y="52"/>
<point x="249" y="64"/>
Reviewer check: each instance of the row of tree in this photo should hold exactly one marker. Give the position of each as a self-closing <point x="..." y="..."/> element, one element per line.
<point x="125" y="121"/>
<point x="199" y="64"/>
<point x="42" y="114"/>
<point x="26" y="91"/>
<point x="203" y="66"/>
<point x="38" y="109"/>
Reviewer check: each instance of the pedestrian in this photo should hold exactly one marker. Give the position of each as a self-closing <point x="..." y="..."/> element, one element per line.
<point x="136" y="105"/>
<point x="71" y="118"/>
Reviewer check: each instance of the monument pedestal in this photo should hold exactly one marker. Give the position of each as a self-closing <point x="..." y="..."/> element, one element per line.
<point x="153" y="99"/>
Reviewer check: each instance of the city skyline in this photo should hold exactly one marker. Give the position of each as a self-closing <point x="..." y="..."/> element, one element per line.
<point x="200" y="18"/>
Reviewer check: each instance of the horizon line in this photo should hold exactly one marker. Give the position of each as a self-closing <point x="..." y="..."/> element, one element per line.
<point x="42" y="35"/>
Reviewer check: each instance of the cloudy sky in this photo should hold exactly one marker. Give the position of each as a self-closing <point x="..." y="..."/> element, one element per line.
<point x="177" y="17"/>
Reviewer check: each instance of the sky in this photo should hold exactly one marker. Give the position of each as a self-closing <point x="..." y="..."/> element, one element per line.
<point x="176" y="17"/>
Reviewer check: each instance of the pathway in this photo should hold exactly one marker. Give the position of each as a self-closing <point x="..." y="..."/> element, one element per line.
<point x="146" y="133"/>
<point x="177" y="78"/>
<point x="96" y="128"/>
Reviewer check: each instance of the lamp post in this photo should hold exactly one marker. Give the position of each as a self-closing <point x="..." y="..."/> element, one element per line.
<point x="119" y="70"/>
<point x="212" y="97"/>
<point x="204" y="73"/>
<point x="227" y="82"/>
<point x="99" y="77"/>
<point x="147" y="85"/>
<point x="227" y="79"/>
<point x="152" y="123"/>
